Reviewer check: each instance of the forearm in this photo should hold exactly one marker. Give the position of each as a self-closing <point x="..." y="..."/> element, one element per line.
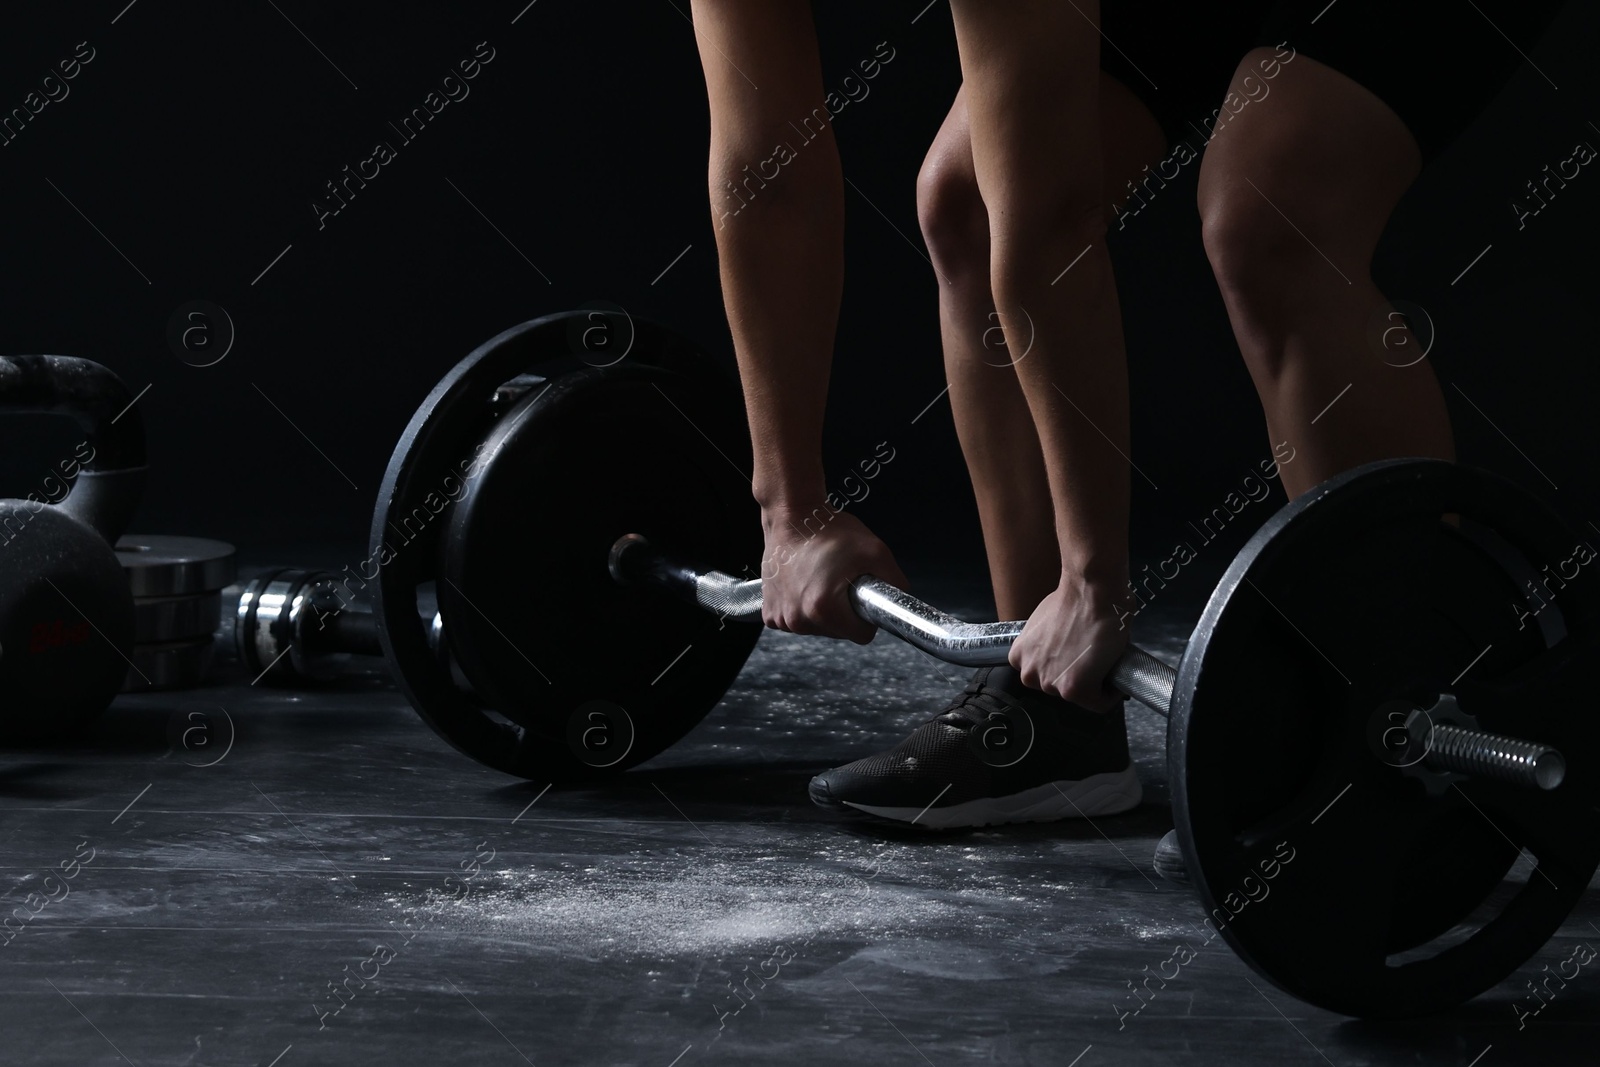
<point x="777" y="205"/>
<point x="782" y="265"/>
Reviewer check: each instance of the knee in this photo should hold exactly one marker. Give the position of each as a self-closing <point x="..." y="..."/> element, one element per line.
<point x="1038" y="238"/>
<point x="954" y="221"/>
<point x="1261" y="275"/>
<point x="1243" y="242"/>
<point x="1269" y="258"/>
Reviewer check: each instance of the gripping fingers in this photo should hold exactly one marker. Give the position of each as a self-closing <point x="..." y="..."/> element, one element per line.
<point x="836" y="618"/>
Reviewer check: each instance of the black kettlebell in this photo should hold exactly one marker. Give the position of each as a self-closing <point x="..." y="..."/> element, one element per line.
<point x="66" y="611"/>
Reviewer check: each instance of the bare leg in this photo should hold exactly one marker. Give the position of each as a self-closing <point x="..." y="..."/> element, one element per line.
<point x="992" y="418"/>
<point x="1032" y="80"/>
<point x="1294" y="193"/>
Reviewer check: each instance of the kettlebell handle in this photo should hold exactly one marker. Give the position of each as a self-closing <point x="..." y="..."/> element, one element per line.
<point x="109" y="482"/>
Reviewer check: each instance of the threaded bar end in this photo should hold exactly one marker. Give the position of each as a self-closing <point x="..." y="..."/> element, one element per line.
<point x="1485" y="755"/>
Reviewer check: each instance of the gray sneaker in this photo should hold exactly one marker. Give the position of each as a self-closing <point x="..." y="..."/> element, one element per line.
<point x="1169" y="859"/>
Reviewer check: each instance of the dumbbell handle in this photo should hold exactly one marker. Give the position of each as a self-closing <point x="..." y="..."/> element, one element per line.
<point x="290" y="625"/>
<point x="1136" y="674"/>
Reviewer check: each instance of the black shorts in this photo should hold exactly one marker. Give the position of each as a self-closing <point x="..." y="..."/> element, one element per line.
<point x="1437" y="65"/>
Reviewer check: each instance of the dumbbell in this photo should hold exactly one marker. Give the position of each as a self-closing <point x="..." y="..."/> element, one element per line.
<point x="66" y="612"/>
<point x="294" y="626"/>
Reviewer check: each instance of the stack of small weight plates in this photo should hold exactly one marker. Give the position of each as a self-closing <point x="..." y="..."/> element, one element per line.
<point x="177" y="596"/>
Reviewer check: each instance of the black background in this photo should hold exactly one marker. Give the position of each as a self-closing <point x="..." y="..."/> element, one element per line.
<point x="199" y="136"/>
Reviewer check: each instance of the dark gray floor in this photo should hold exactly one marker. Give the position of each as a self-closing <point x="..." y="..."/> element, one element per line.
<point x="606" y="926"/>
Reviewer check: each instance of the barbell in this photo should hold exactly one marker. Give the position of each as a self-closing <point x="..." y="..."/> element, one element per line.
<point x="1388" y="685"/>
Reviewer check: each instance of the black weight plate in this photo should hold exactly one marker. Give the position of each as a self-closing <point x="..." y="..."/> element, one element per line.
<point x="163" y="565"/>
<point x="441" y="451"/>
<point x="66" y="624"/>
<point x="1355" y="596"/>
<point x="551" y="640"/>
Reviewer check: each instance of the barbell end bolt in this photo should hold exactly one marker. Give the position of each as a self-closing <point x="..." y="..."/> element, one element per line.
<point x="1549" y="769"/>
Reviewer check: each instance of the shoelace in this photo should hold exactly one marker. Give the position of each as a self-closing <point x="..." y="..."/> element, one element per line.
<point x="972" y="709"/>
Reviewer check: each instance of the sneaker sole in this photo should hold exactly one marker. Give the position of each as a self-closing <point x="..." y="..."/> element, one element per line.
<point x="1100" y="794"/>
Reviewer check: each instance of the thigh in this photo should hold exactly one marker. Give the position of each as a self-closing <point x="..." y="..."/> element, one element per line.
<point x="1437" y="65"/>
<point x="1129" y="135"/>
<point x="1306" y="150"/>
<point x="1031" y="78"/>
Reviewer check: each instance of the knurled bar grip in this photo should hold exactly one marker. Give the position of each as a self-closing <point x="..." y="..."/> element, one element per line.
<point x="1137" y="673"/>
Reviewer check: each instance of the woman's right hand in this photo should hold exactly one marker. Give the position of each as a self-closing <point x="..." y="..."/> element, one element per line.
<point x="807" y="571"/>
